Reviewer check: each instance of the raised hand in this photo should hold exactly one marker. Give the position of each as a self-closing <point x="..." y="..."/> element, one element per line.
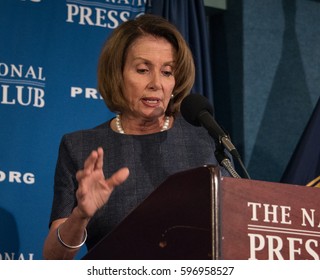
<point x="94" y="189"/>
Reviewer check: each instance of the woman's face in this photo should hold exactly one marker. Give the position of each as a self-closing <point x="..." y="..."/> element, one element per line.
<point x="148" y="77"/>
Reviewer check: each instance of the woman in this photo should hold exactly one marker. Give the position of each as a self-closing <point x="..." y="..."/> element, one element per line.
<point x="144" y="72"/>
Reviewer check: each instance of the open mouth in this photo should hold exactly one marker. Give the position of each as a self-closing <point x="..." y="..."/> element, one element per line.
<point x="151" y="101"/>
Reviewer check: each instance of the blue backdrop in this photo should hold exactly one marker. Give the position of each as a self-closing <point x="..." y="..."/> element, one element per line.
<point x="266" y="78"/>
<point x="48" y="59"/>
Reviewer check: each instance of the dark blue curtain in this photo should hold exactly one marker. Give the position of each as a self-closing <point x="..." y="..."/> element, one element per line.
<point x="304" y="165"/>
<point x="189" y="17"/>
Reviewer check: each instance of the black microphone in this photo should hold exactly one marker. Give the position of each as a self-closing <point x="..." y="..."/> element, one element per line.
<point x="197" y="110"/>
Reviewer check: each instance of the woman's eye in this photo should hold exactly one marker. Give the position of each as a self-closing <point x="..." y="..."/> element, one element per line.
<point x="167" y="73"/>
<point x="142" y="71"/>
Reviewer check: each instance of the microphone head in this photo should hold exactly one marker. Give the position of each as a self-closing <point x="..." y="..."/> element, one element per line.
<point x="192" y="105"/>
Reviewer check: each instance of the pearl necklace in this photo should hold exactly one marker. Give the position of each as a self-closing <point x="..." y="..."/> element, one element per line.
<point x="120" y="129"/>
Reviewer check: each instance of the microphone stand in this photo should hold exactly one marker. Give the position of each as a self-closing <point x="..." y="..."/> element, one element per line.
<point x="225" y="142"/>
<point x="224" y="160"/>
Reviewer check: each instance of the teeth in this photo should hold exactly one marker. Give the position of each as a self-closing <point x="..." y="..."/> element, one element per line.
<point x="152" y="101"/>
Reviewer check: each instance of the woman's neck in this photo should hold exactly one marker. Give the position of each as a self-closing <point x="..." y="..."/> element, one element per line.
<point x="124" y="125"/>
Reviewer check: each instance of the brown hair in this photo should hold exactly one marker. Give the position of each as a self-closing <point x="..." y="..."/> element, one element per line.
<point x="114" y="52"/>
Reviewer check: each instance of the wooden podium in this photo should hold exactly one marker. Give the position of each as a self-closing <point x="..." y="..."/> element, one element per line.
<point x="197" y="214"/>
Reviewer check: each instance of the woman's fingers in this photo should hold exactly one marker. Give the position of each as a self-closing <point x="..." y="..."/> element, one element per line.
<point x="118" y="177"/>
<point x="99" y="161"/>
<point x="90" y="162"/>
<point x="95" y="162"/>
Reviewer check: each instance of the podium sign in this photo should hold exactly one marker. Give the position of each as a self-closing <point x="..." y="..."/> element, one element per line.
<point x="197" y="214"/>
<point x="263" y="220"/>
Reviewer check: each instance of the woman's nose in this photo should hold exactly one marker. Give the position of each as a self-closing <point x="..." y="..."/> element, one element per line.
<point x="155" y="81"/>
